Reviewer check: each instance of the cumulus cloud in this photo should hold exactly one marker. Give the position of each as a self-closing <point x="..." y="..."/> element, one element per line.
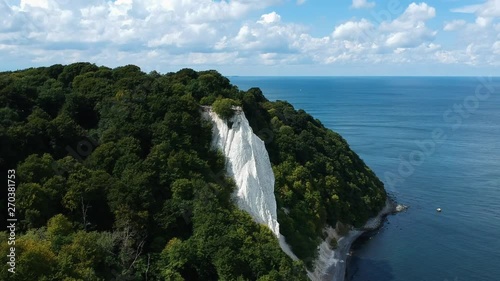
<point x="156" y="33"/>
<point x="402" y="40"/>
<point x="267" y="35"/>
<point x="491" y="8"/>
<point x="409" y="29"/>
<point x="454" y="25"/>
<point x="406" y="31"/>
<point x="446" y="57"/>
<point x="418" y="12"/>
<point x="414" y="15"/>
<point x="483" y="22"/>
<point x="175" y="26"/>
<point x="353" y="29"/>
<point x="479" y="36"/>
<point x="496" y="48"/>
<point x="270" y="18"/>
<point x="359" y="4"/>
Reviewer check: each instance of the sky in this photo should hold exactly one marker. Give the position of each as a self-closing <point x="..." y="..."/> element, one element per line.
<point x="257" y="37"/>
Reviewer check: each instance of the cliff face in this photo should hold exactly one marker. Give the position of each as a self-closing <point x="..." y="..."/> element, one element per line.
<point x="152" y="145"/>
<point x="248" y="163"/>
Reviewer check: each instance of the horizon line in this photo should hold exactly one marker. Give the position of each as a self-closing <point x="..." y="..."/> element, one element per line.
<point x="354" y="76"/>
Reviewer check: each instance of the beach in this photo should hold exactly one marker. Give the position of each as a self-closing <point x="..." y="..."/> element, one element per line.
<point x="332" y="263"/>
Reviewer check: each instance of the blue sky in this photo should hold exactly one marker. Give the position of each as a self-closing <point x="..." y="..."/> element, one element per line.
<point x="249" y="37"/>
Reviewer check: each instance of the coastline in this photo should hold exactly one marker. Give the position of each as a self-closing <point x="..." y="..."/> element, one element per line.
<point x="332" y="263"/>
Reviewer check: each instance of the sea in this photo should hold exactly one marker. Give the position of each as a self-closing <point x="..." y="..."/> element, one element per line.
<point x="435" y="143"/>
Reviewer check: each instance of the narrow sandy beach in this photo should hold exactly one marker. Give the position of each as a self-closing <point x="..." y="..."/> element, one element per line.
<point x="331" y="264"/>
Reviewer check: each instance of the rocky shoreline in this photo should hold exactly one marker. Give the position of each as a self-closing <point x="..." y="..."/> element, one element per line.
<point x="332" y="263"/>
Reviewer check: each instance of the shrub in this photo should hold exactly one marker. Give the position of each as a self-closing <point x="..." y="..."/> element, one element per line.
<point x="224" y="108"/>
<point x="333" y="243"/>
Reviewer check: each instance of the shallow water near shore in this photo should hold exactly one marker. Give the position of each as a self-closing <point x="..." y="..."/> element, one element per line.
<point x="388" y="119"/>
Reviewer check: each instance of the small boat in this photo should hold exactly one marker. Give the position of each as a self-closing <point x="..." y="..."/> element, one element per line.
<point x="438" y="209"/>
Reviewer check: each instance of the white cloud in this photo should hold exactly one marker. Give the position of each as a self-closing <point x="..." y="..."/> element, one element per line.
<point x="404" y="39"/>
<point x="471" y="52"/>
<point x="496" y="48"/>
<point x="454" y="25"/>
<point x="300" y="2"/>
<point x="430" y="47"/>
<point x="125" y="22"/>
<point x="359" y="4"/>
<point x="158" y="33"/>
<point x="63" y="31"/>
<point x="476" y="40"/>
<point x="353" y="30"/>
<point x="406" y="31"/>
<point x="409" y="29"/>
<point x="270" y="18"/>
<point x="414" y="15"/>
<point x="483" y="22"/>
<point x="267" y="35"/>
<point x="446" y="57"/>
<point x="490" y="8"/>
<point x="410" y="38"/>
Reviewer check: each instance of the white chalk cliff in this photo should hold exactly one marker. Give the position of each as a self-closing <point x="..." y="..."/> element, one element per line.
<point x="247" y="162"/>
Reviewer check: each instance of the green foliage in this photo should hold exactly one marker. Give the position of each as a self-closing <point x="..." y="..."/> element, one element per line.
<point x="117" y="178"/>
<point x="333" y="243"/>
<point x="319" y="180"/>
<point x="224" y="108"/>
<point x="36" y="260"/>
<point x="59" y="231"/>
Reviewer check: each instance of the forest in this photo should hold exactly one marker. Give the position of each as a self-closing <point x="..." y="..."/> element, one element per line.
<point x="116" y="178"/>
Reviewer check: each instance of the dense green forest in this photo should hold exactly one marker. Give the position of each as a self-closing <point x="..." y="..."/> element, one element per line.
<point x="116" y="178"/>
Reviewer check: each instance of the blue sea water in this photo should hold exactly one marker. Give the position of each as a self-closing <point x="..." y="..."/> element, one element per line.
<point x="435" y="143"/>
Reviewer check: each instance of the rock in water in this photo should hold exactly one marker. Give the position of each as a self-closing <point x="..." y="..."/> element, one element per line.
<point x="401" y="208"/>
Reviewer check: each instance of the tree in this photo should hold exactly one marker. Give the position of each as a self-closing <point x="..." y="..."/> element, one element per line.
<point x="86" y="196"/>
<point x="80" y="258"/>
<point x="35" y="259"/>
<point x="59" y="231"/>
<point x="224" y="108"/>
<point x="51" y="97"/>
<point x="71" y="71"/>
<point x="149" y="199"/>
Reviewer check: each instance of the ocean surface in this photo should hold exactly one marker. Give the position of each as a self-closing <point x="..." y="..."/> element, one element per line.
<point x="435" y="143"/>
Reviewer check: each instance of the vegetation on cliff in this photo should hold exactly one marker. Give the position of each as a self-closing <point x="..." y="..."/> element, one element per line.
<point x="224" y="107"/>
<point x="116" y="178"/>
